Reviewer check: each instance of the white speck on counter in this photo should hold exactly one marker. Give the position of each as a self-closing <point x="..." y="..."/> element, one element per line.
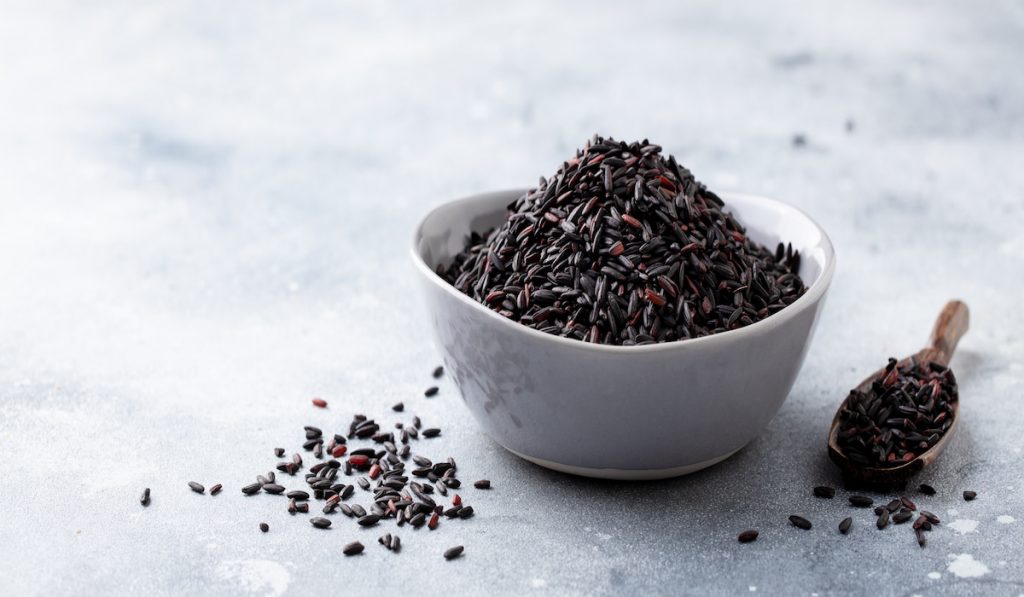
<point x="964" y="525"/>
<point x="935" y="575"/>
<point x="1005" y="519"/>
<point x="753" y="589"/>
<point x="262" y="577"/>
<point x="538" y="583"/>
<point x="965" y="566"/>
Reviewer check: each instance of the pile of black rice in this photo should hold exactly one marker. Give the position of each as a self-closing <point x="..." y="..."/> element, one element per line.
<point x="623" y="246"/>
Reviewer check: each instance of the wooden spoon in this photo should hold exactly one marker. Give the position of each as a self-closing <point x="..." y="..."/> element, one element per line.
<point x="949" y="328"/>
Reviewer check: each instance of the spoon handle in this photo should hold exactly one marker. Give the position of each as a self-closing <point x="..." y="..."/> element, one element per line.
<point x="949" y="328"/>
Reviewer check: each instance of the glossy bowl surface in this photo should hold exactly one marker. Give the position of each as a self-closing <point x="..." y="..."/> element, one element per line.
<point x="620" y="412"/>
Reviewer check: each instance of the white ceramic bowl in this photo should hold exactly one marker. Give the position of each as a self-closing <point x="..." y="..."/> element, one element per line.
<point x="620" y="412"/>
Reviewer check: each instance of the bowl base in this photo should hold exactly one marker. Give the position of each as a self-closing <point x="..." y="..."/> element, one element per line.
<point x="625" y="474"/>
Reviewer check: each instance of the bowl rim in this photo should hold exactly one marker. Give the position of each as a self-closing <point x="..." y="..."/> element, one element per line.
<point x="813" y="295"/>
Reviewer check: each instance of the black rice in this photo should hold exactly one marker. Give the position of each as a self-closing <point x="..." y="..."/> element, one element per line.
<point x="453" y="552"/>
<point x="823" y="491"/>
<point x="844" y="526"/>
<point x="381" y="473"/>
<point x="353" y="548"/>
<point x="623" y="246"/>
<point x="861" y="501"/>
<point x="904" y="413"/>
<point x="369" y="520"/>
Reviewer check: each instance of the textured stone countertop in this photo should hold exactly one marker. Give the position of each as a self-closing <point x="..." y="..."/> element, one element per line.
<point x="205" y="211"/>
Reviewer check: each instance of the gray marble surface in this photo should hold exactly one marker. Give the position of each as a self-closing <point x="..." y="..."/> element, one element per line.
<point x="204" y="217"/>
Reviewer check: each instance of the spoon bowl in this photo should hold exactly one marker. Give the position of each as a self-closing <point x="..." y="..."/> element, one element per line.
<point x="950" y="326"/>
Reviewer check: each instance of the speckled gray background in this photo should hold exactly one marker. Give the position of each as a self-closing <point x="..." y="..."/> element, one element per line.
<point x="204" y="217"/>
